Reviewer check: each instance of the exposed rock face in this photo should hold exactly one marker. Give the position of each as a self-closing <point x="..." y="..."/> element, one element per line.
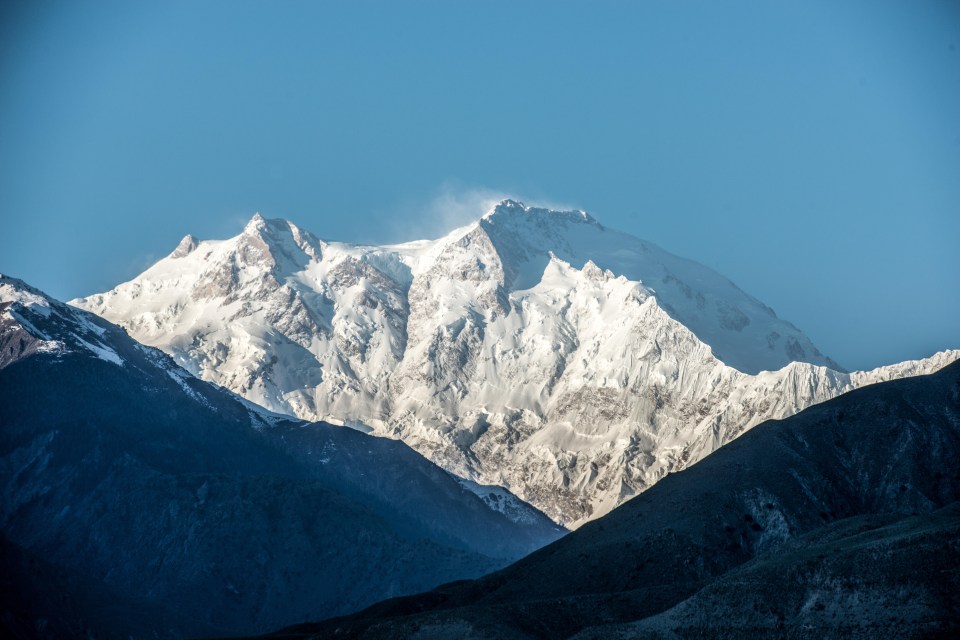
<point x="537" y="350"/>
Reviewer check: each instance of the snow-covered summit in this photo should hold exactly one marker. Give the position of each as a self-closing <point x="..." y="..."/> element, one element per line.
<point x="532" y="349"/>
<point x="514" y="208"/>
<point x="742" y="331"/>
<point x="257" y="223"/>
<point x="278" y="244"/>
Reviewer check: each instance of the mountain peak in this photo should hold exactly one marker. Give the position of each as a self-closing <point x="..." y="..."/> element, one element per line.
<point x="513" y="209"/>
<point x="278" y="241"/>
<point x="15" y="290"/>
<point x="510" y="203"/>
<point x="505" y="207"/>
<point x="186" y="246"/>
<point x="274" y="228"/>
<point x="256" y="225"/>
<point x="33" y="322"/>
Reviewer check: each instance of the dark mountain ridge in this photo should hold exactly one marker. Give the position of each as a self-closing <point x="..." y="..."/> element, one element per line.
<point x="785" y="500"/>
<point x="123" y="474"/>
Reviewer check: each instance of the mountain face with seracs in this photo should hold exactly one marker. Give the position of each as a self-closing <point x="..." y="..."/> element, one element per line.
<point x="534" y="349"/>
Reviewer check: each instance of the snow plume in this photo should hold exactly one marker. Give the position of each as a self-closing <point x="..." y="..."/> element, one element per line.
<point x="459" y="207"/>
<point x="455" y="205"/>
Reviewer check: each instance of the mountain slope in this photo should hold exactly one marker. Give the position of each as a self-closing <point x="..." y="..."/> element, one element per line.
<point x="534" y="349"/>
<point x="39" y="599"/>
<point x="833" y="486"/>
<point x="126" y="473"/>
<point x="862" y="577"/>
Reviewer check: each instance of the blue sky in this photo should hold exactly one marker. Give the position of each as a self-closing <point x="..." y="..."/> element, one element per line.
<point x="810" y="151"/>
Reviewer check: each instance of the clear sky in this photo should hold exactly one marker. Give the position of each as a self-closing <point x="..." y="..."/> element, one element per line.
<point x="810" y="151"/>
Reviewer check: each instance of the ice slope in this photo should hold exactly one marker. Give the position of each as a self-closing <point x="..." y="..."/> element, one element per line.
<point x="533" y="349"/>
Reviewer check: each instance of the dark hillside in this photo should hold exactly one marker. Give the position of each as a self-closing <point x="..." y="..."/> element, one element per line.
<point x="890" y="450"/>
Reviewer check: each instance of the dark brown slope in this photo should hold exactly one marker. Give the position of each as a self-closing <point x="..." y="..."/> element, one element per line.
<point x="891" y="448"/>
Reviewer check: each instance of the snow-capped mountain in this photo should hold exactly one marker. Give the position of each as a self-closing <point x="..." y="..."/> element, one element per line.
<point x="534" y="349"/>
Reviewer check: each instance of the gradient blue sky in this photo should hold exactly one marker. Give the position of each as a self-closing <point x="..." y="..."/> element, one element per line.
<point x="810" y="151"/>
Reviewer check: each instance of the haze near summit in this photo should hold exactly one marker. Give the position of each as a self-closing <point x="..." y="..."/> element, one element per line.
<point x="823" y="184"/>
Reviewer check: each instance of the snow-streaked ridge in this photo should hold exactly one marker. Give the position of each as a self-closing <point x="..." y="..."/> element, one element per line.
<point x="19" y="303"/>
<point x="537" y="350"/>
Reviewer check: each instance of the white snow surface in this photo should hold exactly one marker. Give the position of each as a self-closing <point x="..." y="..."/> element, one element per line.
<point x="537" y="350"/>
